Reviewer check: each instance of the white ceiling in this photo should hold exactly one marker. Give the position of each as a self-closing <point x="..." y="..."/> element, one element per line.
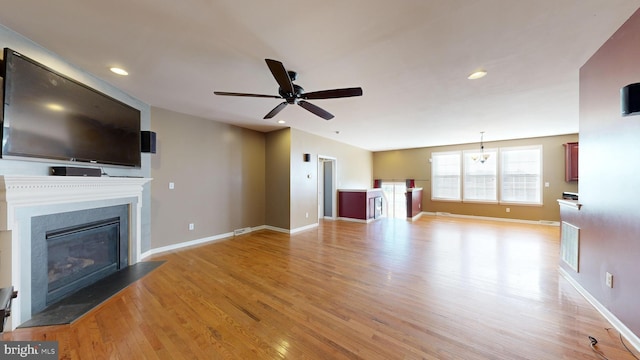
<point x="411" y="57"/>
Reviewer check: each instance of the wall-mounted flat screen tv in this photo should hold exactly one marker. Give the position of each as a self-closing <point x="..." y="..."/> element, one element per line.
<point x="47" y="115"/>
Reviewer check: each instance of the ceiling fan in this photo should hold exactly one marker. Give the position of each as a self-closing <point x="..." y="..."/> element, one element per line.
<point x="294" y="94"/>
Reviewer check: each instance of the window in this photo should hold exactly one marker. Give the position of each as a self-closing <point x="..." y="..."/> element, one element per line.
<point x="508" y="175"/>
<point x="445" y="176"/>
<point x="521" y="175"/>
<point x="480" y="179"/>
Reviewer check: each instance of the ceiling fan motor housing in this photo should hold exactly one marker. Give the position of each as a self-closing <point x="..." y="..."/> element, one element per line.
<point x="293" y="94"/>
<point x="291" y="98"/>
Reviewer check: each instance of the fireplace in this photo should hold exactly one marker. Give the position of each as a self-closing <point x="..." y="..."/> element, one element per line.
<point x="75" y="249"/>
<point x="25" y="199"/>
<point x="81" y="255"/>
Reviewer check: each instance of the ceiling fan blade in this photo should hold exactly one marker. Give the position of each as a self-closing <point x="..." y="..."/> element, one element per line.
<point x="224" y="93"/>
<point x="316" y="110"/>
<point x="281" y="75"/>
<point x="332" y="94"/>
<point x="276" y="110"/>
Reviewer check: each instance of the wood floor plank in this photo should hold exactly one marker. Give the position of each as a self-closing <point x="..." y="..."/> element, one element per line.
<point x="434" y="288"/>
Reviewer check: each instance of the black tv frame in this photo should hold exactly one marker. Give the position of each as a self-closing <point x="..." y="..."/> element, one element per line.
<point x="101" y="136"/>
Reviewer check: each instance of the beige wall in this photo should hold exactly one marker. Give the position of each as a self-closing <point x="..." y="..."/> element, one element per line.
<point x="354" y="169"/>
<point x="278" y="188"/>
<point x="228" y="178"/>
<point x="219" y="176"/>
<point x="399" y="165"/>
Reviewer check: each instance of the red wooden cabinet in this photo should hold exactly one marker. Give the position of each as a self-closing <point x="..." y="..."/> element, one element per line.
<point x="360" y="204"/>
<point x="571" y="161"/>
<point x="414" y="202"/>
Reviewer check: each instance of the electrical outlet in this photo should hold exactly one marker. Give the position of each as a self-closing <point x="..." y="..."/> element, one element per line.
<point x="609" y="280"/>
<point x="172" y="186"/>
<point x="306" y="215"/>
<point x="508" y="209"/>
<point x="191" y="226"/>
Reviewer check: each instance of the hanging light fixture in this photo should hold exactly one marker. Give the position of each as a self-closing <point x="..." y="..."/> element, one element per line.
<point x="482" y="157"/>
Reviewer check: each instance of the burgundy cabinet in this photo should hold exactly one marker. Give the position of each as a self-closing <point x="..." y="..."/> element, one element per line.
<point x="360" y="204"/>
<point x="571" y="161"/>
<point x="414" y="202"/>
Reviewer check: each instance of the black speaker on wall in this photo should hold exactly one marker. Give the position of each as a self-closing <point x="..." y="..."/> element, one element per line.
<point x="148" y="142"/>
<point x="630" y="99"/>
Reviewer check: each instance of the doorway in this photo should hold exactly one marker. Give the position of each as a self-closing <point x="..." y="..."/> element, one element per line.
<point x="327" y="179"/>
<point x="396" y="195"/>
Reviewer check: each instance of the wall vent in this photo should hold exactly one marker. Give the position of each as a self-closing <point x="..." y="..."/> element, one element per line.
<point x="245" y="230"/>
<point x="549" y="222"/>
<point x="570" y="244"/>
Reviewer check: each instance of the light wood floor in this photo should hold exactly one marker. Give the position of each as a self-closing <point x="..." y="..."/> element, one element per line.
<point x="437" y="288"/>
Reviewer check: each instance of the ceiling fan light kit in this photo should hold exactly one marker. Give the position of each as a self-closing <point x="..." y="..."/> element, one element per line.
<point x="293" y="94"/>
<point x="482" y="156"/>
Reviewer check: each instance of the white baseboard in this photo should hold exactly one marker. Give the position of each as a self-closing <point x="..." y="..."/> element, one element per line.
<point x="273" y="228"/>
<point x="215" y="238"/>
<point x="292" y="231"/>
<point x="352" y="220"/>
<point x="612" y="319"/>
<point x="416" y="217"/>
<point x="304" y="228"/>
<point x="358" y="220"/>
<point x="312" y="226"/>
<point x="536" y="222"/>
<point x="185" y="244"/>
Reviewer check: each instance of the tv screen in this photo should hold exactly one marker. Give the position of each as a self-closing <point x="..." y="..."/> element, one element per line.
<point x="49" y="116"/>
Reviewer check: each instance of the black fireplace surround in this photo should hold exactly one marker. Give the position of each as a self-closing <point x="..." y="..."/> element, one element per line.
<point x="72" y="250"/>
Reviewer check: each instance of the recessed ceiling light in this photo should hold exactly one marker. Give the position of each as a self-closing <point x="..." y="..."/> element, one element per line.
<point x="477" y="75"/>
<point x="55" y="107"/>
<point x="281" y="121"/>
<point x="119" y="71"/>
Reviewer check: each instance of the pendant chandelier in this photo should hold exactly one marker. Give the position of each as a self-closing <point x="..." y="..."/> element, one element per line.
<point x="482" y="157"/>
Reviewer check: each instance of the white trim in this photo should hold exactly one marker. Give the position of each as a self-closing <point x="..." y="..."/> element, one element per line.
<point x="334" y="184"/>
<point x="303" y="228"/>
<point x="358" y="220"/>
<point x="273" y="228"/>
<point x="612" y="319"/>
<point x="534" y="222"/>
<point x="416" y="217"/>
<point x="287" y="231"/>
<point x="220" y="237"/>
<point x="210" y="239"/>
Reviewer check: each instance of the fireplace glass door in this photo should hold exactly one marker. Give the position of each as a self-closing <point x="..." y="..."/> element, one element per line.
<point x="81" y="255"/>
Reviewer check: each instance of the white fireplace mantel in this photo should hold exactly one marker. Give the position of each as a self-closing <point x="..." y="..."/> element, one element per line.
<point x="18" y="191"/>
<point x="22" y="197"/>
